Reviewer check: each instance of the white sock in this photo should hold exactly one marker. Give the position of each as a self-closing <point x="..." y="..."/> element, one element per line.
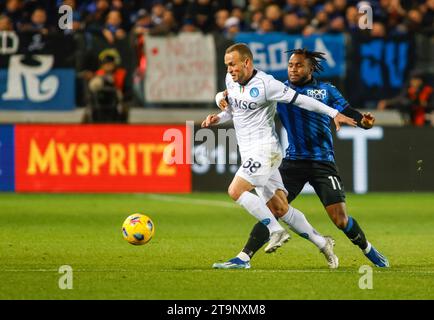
<point x="368" y="248"/>
<point x="243" y="256"/>
<point x="257" y="208"/>
<point x="298" y="223"/>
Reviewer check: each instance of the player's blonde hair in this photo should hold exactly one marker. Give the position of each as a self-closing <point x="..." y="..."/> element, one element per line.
<point x="242" y="49"/>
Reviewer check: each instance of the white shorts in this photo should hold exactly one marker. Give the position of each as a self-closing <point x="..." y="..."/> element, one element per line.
<point x="263" y="173"/>
<point x="274" y="183"/>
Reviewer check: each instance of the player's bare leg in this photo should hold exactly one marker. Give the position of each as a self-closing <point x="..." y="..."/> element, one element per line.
<point x="338" y="214"/>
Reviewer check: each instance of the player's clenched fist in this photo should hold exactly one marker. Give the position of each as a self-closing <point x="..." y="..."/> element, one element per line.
<point x="368" y="120"/>
<point x="210" y="120"/>
<point x="223" y="103"/>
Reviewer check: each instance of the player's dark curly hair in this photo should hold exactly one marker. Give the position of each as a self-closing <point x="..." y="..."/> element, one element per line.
<point x="315" y="58"/>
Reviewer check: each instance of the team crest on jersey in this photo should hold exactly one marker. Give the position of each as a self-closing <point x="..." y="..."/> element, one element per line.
<point x="254" y="92"/>
<point x="318" y="94"/>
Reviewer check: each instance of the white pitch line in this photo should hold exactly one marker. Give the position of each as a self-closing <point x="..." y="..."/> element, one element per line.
<point x="57" y="270"/>
<point x="310" y="271"/>
<point x="355" y="271"/>
<point x="214" y="203"/>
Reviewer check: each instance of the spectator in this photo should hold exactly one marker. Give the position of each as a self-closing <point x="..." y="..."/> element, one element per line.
<point x="352" y="16"/>
<point x="340" y="7"/>
<point x="203" y="13"/>
<point x="308" y="30"/>
<point x="232" y="27"/>
<point x="256" y="19"/>
<point x="142" y="23"/>
<point x="157" y="12"/>
<point x="167" y="25"/>
<point x="238" y="13"/>
<point x="225" y="4"/>
<point x="265" y="26"/>
<point x="337" y="25"/>
<point x="253" y="7"/>
<point x="179" y="9"/>
<point x="142" y="26"/>
<point x="220" y="18"/>
<point x="303" y="18"/>
<point x="14" y="10"/>
<point x="107" y="90"/>
<point x="291" y="6"/>
<point x="328" y="8"/>
<point x="38" y="23"/>
<point x="291" y="23"/>
<point x="413" y="20"/>
<point x="188" y="26"/>
<point x="274" y="15"/>
<point x="378" y="30"/>
<point x="320" y="23"/>
<point x="120" y="6"/>
<point x="95" y="15"/>
<point x="415" y="101"/>
<point x="302" y="9"/>
<point x="392" y="15"/>
<point x="112" y="30"/>
<point x="6" y="23"/>
<point x="427" y="10"/>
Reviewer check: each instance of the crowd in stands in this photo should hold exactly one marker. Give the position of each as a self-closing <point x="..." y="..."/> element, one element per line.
<point x="115" y="18"/>
<point x="102" y="24"/>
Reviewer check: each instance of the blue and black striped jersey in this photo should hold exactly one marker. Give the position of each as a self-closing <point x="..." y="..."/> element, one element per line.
<point x="309" y="133"/>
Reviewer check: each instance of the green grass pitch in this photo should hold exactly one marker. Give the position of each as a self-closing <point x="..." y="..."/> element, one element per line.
<point x="40" y="232"/>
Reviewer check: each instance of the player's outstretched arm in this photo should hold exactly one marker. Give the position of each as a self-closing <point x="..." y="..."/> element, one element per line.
<point x="312" y="104"/>
<point x="277" y="91"/>
<point x="340" y="118"/>
<point x="364" y="121"/>
<point x="210" y="120"/>
<point x="214" y="119"/>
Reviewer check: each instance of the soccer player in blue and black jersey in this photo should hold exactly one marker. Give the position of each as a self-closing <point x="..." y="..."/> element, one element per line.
<point x="310" y="155"/>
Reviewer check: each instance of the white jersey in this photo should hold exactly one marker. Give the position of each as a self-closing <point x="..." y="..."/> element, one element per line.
<point x="253" y="108"/>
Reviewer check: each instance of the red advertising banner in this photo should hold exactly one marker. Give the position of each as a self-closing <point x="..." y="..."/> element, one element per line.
<point x="102" y="158"/>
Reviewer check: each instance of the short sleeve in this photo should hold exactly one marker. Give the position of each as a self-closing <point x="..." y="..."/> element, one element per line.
<point x="277" y="91"/>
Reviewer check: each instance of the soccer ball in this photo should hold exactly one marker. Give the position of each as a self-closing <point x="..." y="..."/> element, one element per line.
<point x="138" y="229"/>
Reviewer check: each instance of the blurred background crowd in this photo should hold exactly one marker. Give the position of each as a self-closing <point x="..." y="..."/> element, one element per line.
<point x="116" y="18"/>
<point x="109" y="34"/>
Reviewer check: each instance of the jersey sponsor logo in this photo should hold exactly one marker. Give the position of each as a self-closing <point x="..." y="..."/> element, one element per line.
<point x="254" y="92"/>
<point x="318" y="94"/>
<point x="242" y="104"/>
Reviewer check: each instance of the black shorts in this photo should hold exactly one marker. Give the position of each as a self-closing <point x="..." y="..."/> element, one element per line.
<point x="322" y="175"/>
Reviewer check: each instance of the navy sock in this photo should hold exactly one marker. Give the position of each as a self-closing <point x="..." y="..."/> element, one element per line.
<point x="355" y="233"/>
<point x="258" y="237"/>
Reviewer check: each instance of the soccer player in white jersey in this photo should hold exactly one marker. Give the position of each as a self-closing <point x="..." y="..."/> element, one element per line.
<point x="253" y="97"/>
